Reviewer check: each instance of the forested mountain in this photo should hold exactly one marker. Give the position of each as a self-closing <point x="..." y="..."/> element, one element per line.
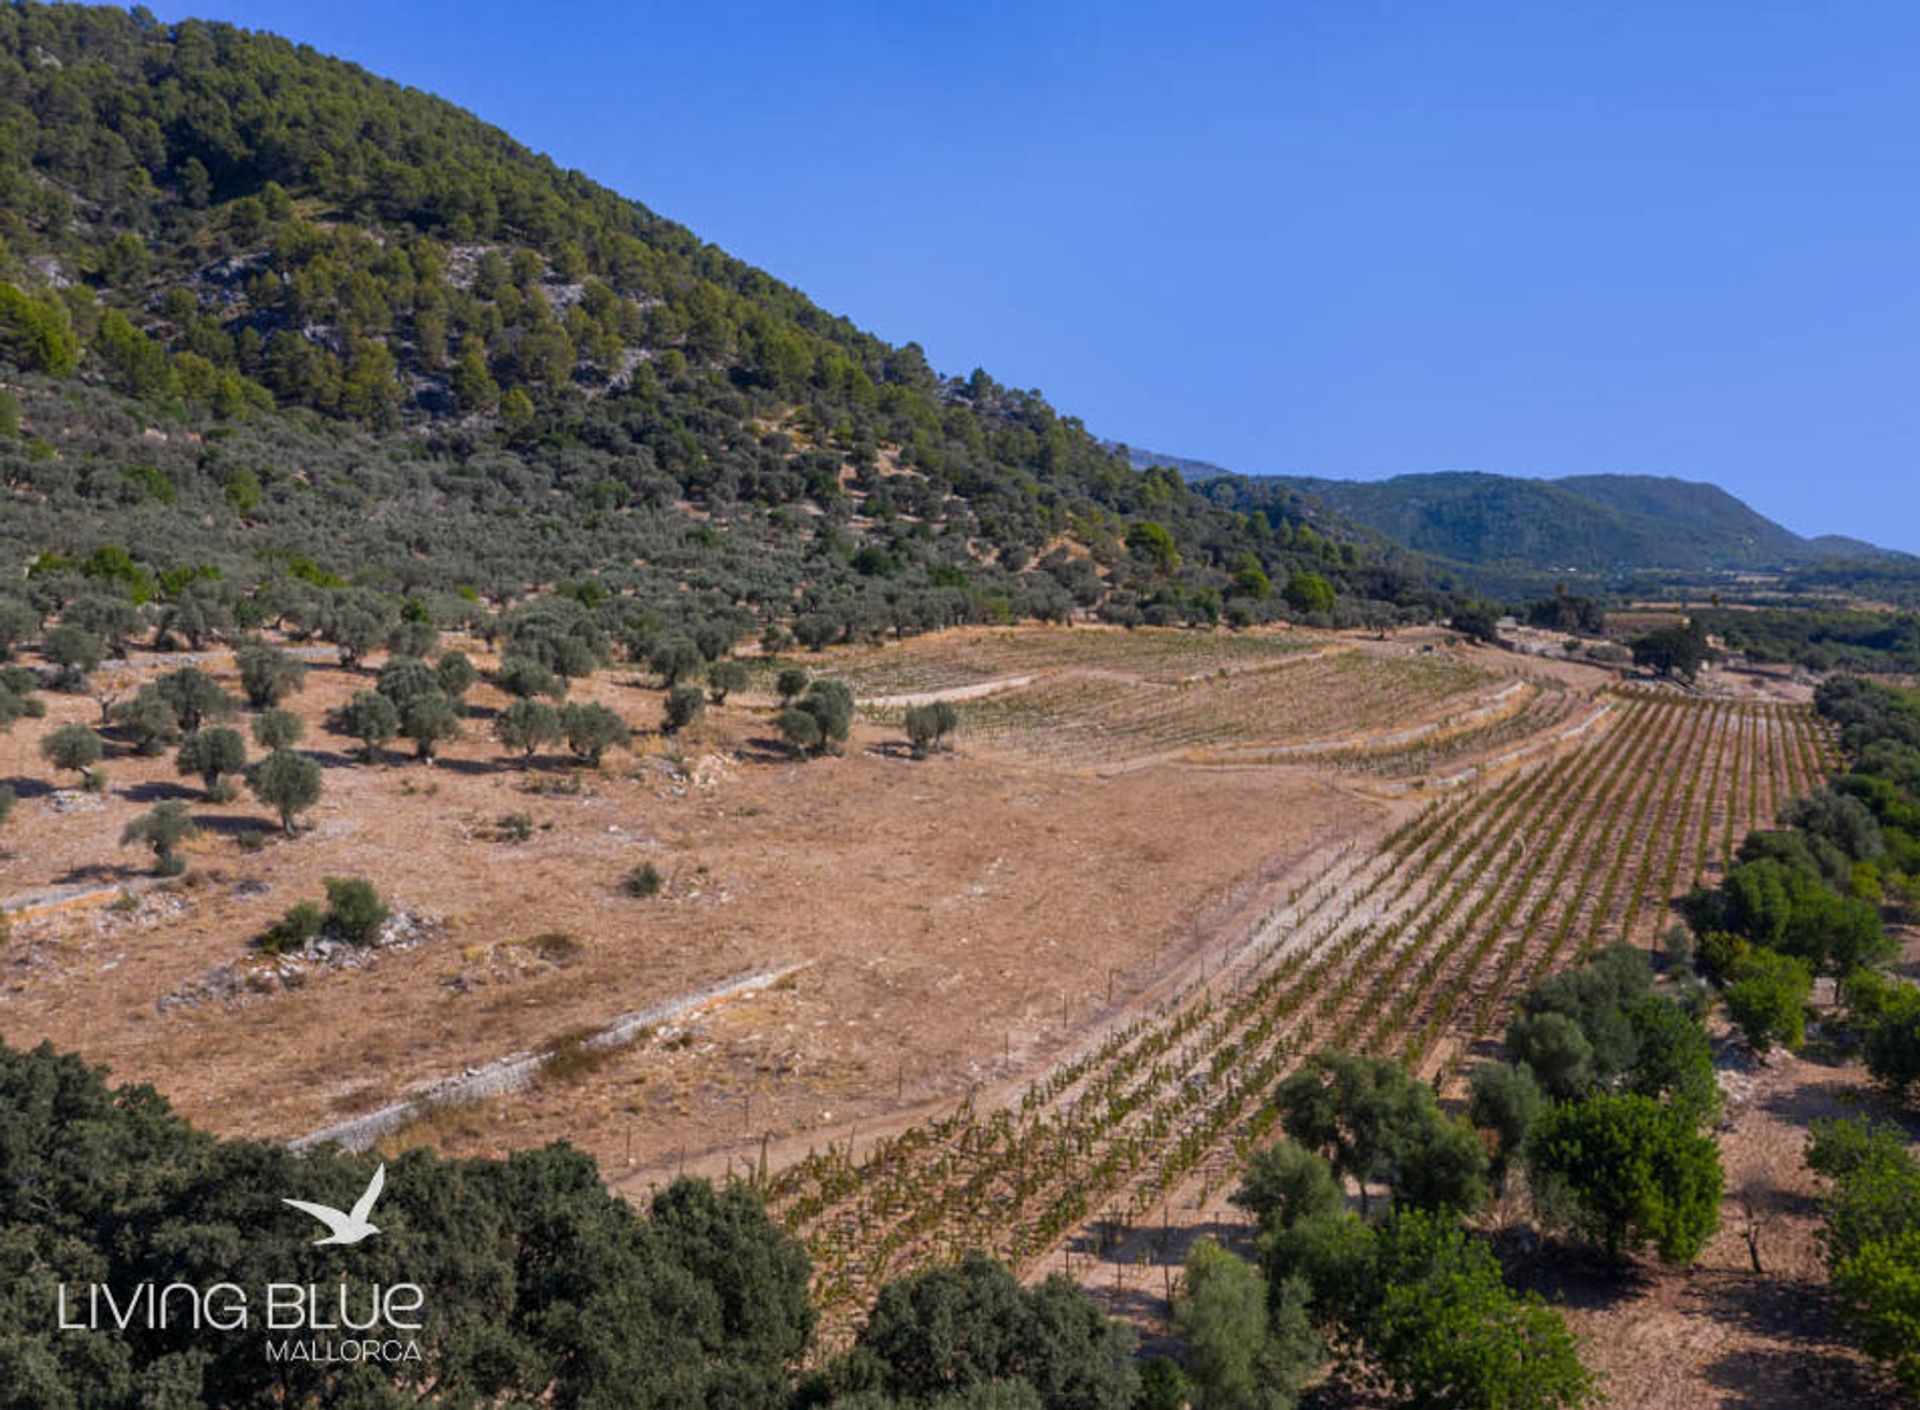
<point x="1587" y="523"/>
<point x="265" y="317"/>
<point x="1590" y="523"/>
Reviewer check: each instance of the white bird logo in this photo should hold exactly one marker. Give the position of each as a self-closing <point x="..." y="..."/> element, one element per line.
<point x="345" y="1228"/>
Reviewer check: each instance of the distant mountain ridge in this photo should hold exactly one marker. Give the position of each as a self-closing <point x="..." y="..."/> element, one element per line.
<point x="1582" y="523"/>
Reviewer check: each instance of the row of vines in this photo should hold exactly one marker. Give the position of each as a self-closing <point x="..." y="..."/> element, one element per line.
<point x="1412" y="948"/>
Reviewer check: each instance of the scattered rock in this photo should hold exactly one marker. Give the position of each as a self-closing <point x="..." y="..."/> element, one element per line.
<point x="72" y="800"/>
<point x="259" y="975"/>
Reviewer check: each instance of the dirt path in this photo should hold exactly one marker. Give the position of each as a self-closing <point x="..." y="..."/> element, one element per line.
<point x="1719" y="1333"/>
<point x="953" y="694"/>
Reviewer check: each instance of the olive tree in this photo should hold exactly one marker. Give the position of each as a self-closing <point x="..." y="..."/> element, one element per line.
<point x="455" y="673"/>
<point x="1232" y="1354"/>
<point x="356" y="629"/>
<point x="195" y="696"/>
<point x="73" y="747"/>
<point x="278" y="729"/>
<point x="163" y="828"/>
<point x="724" y="677"/>
<point x="791" y="684"/>
<point x="268" y="675"/>
<point x="518" y="675"/>
<point x="827" y="708"/>
<point x="404" y="679"/>
<point x="1374" y="1121"/>
<point x="370" y="718"/>
<point x="287" y="782"/>
<point x="76" y="652"/>
<point x="928" y="726"/>
<point x="685" y="704"/>
<point x="148" y="722"/>
<point x="1286" y="1183"/>
<point x="526" y="725"/>
<point x="412" y="637"/>
<point x="429" y="720"/>
<point x="592" y="729"/>
<point x="210" y="753"/>
<point x="18" y="623"/>
<point x="675" y="659"/>
<point x="1506" y="1101"/>
<point x="800" y="729"/>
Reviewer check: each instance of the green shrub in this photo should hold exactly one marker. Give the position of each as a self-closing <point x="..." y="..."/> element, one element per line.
<point x="355" y="910"/>
<point x="293" y="931"/>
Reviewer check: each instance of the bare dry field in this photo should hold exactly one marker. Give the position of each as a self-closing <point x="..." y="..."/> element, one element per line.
<point x="928" y="897"/>
<point x="1046" y="978"/>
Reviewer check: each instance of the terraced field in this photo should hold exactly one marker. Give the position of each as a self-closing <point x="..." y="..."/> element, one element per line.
<point x="1098" y="700"/>
<point x="1256" y="716"/>
<point x="1413" y="947"/>
<point x="943" y="661"/>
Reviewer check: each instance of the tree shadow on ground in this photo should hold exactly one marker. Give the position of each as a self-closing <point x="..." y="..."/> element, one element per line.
<point x="1806" y="1103"/>
<point x="237" y="824"/>
<point x="1571" y="1275"/>
<point x="99" y="874"/>
<point x="1799" y="1378"/>
<point x="763" y="750"/>
<point x="159" y="791"/>
<point x="468" y="768"/>
<point x="1775" y="1308"/>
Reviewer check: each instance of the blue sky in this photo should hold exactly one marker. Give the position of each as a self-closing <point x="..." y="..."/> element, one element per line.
<point x="1334" y="239"/>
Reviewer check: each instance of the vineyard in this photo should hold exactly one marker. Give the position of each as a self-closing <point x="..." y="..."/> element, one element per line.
<point x="1385" y="703"/>
<point x="1413" y="947"/>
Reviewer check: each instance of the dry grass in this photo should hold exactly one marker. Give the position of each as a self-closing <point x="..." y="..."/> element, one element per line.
<point x="946" y="660"/>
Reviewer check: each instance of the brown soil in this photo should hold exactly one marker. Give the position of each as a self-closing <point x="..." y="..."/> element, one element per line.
<point x="967" y="918"/>
<point x="1718" y="1333"/>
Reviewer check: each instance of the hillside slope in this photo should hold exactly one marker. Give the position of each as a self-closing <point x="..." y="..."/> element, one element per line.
<point x="261" y="305"/>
